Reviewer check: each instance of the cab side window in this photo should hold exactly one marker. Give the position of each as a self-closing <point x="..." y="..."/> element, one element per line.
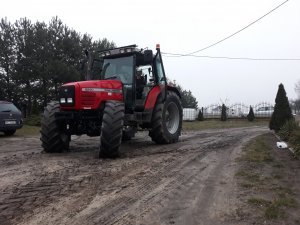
<point x="159" y="70"/>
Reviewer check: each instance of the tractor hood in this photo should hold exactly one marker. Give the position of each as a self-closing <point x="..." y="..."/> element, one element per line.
<point x="110" y="84"/>
<point x="89" y="94"/>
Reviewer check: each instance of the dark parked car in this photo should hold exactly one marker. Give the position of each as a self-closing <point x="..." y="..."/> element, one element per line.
<point x="10" y="118"/>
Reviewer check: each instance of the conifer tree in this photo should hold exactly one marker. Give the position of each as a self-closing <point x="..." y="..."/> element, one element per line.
<point x="282" y="111"/>
<point x="250" y="115"/>
<point x="200" y="115"/>
<point x="223" y="113"/>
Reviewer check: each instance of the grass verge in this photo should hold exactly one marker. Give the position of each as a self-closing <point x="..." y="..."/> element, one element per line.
<point x="217" y="124"/>
<point x="262" y="177"/>
<point x="27" y="130"/>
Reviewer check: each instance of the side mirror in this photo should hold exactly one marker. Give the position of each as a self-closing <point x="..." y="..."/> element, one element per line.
<point x="148" y="56"/>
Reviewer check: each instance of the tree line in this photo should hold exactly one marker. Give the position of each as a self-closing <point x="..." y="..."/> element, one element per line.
<point x="36" y="58"/>
<point x="188" y="100"/>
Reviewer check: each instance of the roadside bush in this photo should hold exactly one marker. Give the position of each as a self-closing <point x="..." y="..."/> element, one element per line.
<point x="200" y="115"/>
<point x="287" y="129"/>
<point x="282" y="111"/>
<point x="294" y="140"/>
<point x="33" y="120"/>
<point x="250" y="115"/>
<point x="223" y="113"/>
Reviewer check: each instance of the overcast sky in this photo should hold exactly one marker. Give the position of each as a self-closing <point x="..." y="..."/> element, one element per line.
<point x="187" y="26"/>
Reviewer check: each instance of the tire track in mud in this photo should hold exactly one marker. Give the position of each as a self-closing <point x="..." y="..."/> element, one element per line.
<point x="116" y="211"/>
<point x="134" y="192"/>
<point x="129" y="210"/>
<point x="51" y="186"/>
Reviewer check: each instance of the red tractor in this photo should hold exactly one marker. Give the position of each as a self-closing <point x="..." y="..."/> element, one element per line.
<point x="126" y="89"/>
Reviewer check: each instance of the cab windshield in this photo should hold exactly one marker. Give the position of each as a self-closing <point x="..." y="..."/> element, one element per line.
<point x="119" y="69"/>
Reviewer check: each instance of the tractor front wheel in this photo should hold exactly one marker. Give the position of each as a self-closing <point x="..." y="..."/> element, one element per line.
<point x="53" y="139"/>
<point x="166" y="120"/>
<point x="111" y="129"/>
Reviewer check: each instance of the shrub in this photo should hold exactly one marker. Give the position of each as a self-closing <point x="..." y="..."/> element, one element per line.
<point x="294" y="140"/>
<point x="282" y="111"/>
<point x="200" y="115"/>
<point x="287" y="129"/>
<point x="250" y="115"/>
<point x="223" y="113"/>
<point x="33" y="120"/>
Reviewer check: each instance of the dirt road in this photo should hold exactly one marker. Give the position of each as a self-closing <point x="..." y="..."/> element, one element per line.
<point x="190" y="182"/>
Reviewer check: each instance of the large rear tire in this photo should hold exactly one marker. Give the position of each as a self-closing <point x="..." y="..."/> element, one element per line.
<point x="53" y="139"/>
<point x="111" y="129"/>
<point x="166" y="121"/>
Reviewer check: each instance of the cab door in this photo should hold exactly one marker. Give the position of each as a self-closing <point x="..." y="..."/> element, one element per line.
<point x="159" y="71"/>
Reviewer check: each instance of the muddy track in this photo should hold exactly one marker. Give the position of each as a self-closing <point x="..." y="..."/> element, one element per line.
<point x="148" y="184"/>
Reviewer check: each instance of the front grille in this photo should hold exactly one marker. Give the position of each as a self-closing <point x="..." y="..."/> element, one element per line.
<point x="88" y="98"/>
<point x="67" y="92"/>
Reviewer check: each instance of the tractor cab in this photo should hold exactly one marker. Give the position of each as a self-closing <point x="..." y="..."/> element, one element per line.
<point x="138" y="70"/>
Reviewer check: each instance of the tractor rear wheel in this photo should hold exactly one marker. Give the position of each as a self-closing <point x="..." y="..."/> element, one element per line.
<point x="166" y="120"/>
<point x="53" y="139"/>
<point x="111" y="129"/>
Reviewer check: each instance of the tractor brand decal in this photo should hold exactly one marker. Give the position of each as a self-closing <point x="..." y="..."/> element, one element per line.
<point x="102" y="90"/>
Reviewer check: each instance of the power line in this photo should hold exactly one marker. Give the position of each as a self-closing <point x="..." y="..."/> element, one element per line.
<point x="235" y="33"/>
<point x="230" y="58"/>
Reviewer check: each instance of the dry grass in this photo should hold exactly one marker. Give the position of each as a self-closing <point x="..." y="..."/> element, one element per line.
<point x="262" y="176"/>
<point x="218" y="124"/>
<point x="27" y="130"/>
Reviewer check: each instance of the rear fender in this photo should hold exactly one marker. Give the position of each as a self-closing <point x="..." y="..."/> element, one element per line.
<point x="152" y="97"/>
<point x="155" y="92"/>
<point x="174" y="89"/>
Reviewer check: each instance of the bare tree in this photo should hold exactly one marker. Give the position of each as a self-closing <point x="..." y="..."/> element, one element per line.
<point x="297" y="88"/>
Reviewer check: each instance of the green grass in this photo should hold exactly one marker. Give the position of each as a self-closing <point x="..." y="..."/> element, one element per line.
<point x="27" y="130"/>
<point x="259" y="201"/>
<point x="258" y="151"/>
<point x="31" y="125"/>
<point x="33" y="120"/>
<point x="274" y="209"/>
<point x="249" y="177"/>
<point x="282" y="191"/>
<point x="247" y="185"/>
<point x="218" y="124"/>
<point x="263" y="175"/>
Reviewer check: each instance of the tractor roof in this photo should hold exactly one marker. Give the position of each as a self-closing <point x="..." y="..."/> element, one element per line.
<point x="143" y="56"/>
<point x="125" y="50"/>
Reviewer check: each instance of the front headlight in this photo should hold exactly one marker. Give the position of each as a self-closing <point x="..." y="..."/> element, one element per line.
<point x="69" y="100"/>
<point x="63" y="100"/>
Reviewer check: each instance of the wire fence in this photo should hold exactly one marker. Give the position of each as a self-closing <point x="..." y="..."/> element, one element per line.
<point x="237" y="110"/>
